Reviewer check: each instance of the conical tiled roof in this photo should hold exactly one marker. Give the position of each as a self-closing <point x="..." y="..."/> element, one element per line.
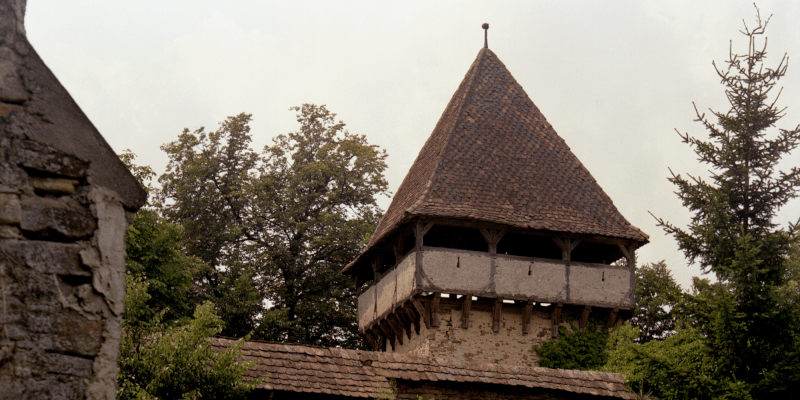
<point x="493" y="157"/>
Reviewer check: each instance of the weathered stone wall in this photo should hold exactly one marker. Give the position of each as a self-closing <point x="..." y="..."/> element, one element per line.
<point x="65" y="199"/>
<point x="62" y="275"/>
<point x="479" y="343"/>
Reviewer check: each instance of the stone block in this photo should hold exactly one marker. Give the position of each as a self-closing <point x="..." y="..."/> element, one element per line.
<point x="12" y="178"/>
<point x="47" y="257"/>
<point x="67" y="365"/>
<point x="64" y="218"/>
<point x="58" y="186"/>
<point x="10" y="209"/>
<point x="10" y="232"/>
<point x="66" y="330"/>
<point x="41" y="157"/>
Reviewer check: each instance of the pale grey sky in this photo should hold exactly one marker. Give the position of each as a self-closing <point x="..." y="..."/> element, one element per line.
<point x="614" y="78"/>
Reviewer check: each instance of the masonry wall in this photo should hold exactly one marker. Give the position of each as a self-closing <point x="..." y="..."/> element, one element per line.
<point x="65" y="199"/>
<point x="62" y="275"/>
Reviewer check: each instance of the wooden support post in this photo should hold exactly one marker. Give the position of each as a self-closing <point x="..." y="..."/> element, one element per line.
<point x="466" y="305"/>
<point x="420" y="229"/>
<point x="526" y="317"/>
<point x="435" y="309"/>
<point x="413" y="317"/>
<point x="497" y="309"/>
<point x="612" y="318"/>
<point x="630" y="256"/>
<point x="422" y="312"/>
<point x="398" y="249"/>
<point x="584" y="317"/>
<point x="555" y="320"/>
<point x="377" y="265"/>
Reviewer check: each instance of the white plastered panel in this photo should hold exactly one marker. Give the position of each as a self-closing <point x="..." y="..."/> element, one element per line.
<point x="405" y="277"/>
<point x="529" y="278"/>
<point x="386" y="292"/>
<point x="366" y="307"/>
<point x="599" y="285"/>
<point x="457" y="270"/>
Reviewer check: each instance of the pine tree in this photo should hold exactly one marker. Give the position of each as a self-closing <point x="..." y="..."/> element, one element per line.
<point x="749" y="328"/>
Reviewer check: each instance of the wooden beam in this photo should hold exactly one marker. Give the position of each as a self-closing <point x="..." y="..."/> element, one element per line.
<point x="413" y="317"/>
<point x="527" y="311"/>
<point x="466" y="306"/>
<point x="435" y="309"/>
<point x="422" y="312"/>
<point x="584" y="317"/>
<point x="497" y="309"/>
<point x="555" y="320"/>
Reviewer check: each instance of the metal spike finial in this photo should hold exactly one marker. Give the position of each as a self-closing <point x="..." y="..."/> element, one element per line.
<point x="485" y="35"/>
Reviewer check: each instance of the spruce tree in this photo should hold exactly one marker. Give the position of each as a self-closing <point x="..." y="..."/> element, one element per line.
<point x="749" y="328"/>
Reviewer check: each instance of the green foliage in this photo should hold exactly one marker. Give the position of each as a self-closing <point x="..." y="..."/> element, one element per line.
<point x="575" y="349"/>
<point x="160" y="362"/>
<point x="277" y="226"/>
<point x="678" y="367"/>
<point x="657" y="295"/>
<point x="155" y="255"/>
<point x="746" y="328"/>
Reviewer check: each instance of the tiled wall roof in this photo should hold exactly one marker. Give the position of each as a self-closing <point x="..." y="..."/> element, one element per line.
<point x="356" y="373"/>
<point x="493" y="157"/>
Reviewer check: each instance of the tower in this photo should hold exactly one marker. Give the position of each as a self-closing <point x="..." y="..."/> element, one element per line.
<point x="496" y="234"/>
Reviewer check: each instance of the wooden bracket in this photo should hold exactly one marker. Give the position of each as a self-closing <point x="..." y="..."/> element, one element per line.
<point x="465" y="309"/>
<point x="404" y="321"/>
<point x="387" y="332"/>
<point x="492" y="237"/>
<point x="414" y="318"/>
<point x="371" y="339"/>
<point x="526" y="317"/>
<point x="397" y="328"/>
<point x="497" y="308"/>
<point x="555" y="320"/>
<point x="584" y="317"/>
<point x="422" y="228"/>
<point x="566" y="245"/>
<point x="422" y="312"/>
<point x="435" y="309"/>
<point x="612" y="318"/>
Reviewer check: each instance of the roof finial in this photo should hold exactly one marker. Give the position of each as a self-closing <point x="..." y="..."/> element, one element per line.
<point x="485" y="35"/>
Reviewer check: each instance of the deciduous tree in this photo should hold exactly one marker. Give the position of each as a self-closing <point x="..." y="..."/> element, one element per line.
<point x="285" y="222"/>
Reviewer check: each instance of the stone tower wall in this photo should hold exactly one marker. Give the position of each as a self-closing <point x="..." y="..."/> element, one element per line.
<point x="479" y="343"/>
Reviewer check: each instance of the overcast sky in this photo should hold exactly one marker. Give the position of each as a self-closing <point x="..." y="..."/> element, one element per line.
<point x="614" y="78"/>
